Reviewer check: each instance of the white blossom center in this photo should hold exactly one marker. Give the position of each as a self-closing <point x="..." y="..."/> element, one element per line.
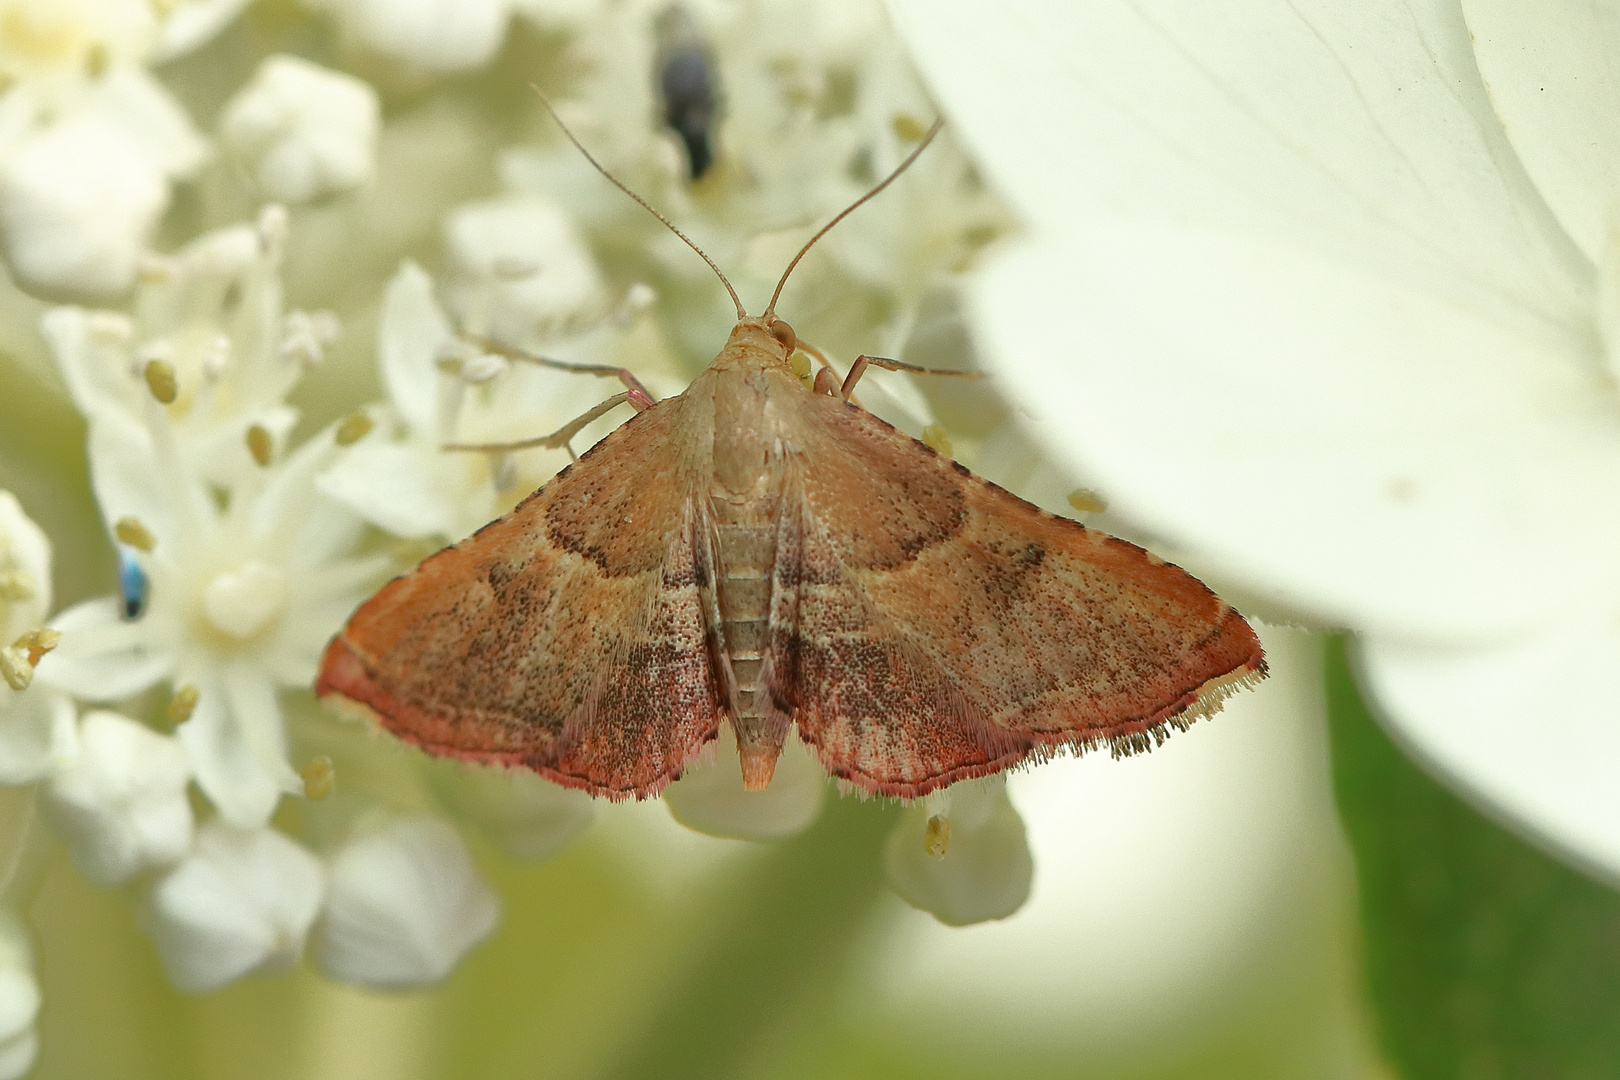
<point x="243" y="601"/>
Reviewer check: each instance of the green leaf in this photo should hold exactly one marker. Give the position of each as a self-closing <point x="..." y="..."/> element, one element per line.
<point x="1485" y="958"/>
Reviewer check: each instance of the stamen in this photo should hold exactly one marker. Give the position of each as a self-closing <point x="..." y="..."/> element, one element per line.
<point x="319" y="776"/>
<point x="355" y="426"/>
<point x="1087" y="501"/>
<point x="129" y="530"/>
<point x="260" y="445"/>
<point x="183" y="703"/>
<point x="161" y="381"/>
<point x="16" y="669"/>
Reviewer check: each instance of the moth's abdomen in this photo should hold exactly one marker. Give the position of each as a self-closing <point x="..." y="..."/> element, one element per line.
<point x="747" y="554"/>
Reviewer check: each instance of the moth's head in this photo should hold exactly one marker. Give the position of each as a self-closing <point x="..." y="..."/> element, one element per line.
<point x="766" y="333"/>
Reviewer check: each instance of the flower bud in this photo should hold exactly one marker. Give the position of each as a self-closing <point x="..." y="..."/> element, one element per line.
<point x="406" y="903"/>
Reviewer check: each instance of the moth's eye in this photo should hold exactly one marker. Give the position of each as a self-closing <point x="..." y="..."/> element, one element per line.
<point x="782" y="332"/>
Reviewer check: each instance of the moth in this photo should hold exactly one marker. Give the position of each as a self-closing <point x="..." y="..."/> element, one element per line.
<point x="765" y="554"/>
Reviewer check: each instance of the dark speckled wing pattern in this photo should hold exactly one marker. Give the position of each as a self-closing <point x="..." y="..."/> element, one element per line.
<point x="569" y="636"/>
<point x="928" y="626"/>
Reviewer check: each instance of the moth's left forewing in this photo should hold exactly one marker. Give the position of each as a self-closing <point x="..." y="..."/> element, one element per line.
<point x="571" y="636"/>
<point x="943" y="628"/>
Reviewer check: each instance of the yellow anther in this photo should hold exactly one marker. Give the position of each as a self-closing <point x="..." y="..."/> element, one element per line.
<point x="259" y="444"/>
<point x="937" y="439"/>
<point x="908" y="127"/>
<point x="355" y="427"/>
<point x="36" y="643"/>
<point x="129" y="530"/>
<point x="183" y="703"/>
<point x="15" y="667"/>
<point x="1087" y="501"/>
<point x="161" y="380"/>
<point x="937" y="836"/>
<point x="320" y="777"/>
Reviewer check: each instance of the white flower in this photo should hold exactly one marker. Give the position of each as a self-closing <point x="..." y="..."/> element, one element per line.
<point x="242" y="600"/>
<point x="19" y="998"/>
<point x="709" y="797"/>
<point x="431" y="37"/>
<point x="120" y="804"/>
<point x="1302" y="295"/>
<point x="303" y="130"/>
<point x="409" y="485"/>
<point x="520" y="272"/>
<point x="240" y="904"/>
<point x="78" y="202"/>
<point x="89" y="140"/>
<point x="210" y="321"/>
<point x="37" y="729"/>
<point x="405" y="904"/>
<point x="529" y="817"/>
<point x="962" y="857"/>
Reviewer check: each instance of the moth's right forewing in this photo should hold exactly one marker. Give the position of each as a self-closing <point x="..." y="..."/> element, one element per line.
<point x="941" y="628"/>
<point x="569" y="636"/>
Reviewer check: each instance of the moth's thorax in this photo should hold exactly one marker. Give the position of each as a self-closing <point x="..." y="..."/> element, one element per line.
<point x="741" y="382"/>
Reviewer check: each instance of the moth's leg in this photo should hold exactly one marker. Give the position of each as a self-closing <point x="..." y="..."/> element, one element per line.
<point x="631" y="383"/>
<point x="638" y="399"/>
<point x="827" y="375"/>
<point x="862" y="362"/>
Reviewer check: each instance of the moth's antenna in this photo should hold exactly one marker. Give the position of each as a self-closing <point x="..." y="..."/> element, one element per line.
<point x="898" y="169"/>
<point x="645" y="205"/>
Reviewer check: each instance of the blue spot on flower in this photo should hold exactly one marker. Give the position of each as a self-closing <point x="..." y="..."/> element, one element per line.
<point x="132" y="584"/>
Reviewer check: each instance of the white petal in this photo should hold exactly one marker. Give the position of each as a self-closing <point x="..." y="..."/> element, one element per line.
<point x="1547" y="67"/>
<point x="1357" y="131"/>
<point x="306" y="131"/>
<point x="78" y="203"/>
<point x="132" y="100"/>
<point x="120" y="804"/>
<point x="406" y="903"/>
<point x="1526" y="732"/>
<point x="102" y="657"/>
<point x="521" y="269"/>
<point x="191" y="23"/>
<point x="221" y="745"/>
<point x="405" y="489"/>
<point x="240" y="904"/>
<point x="985" y="869"/>
<point x="1366" y="452"/>
<point x="410" y="333"/>
<point x="17" y="1055"/>
<point x="19" y="991"/>
<point x="128" y="478"/>
<point x="530" y="817"/>
<point x="434" y="36"/>
<point x="709" y="797"/>
<point x="96" y="373"/>
<point x="25" y="555"/>
<point x="38" y="733"/>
